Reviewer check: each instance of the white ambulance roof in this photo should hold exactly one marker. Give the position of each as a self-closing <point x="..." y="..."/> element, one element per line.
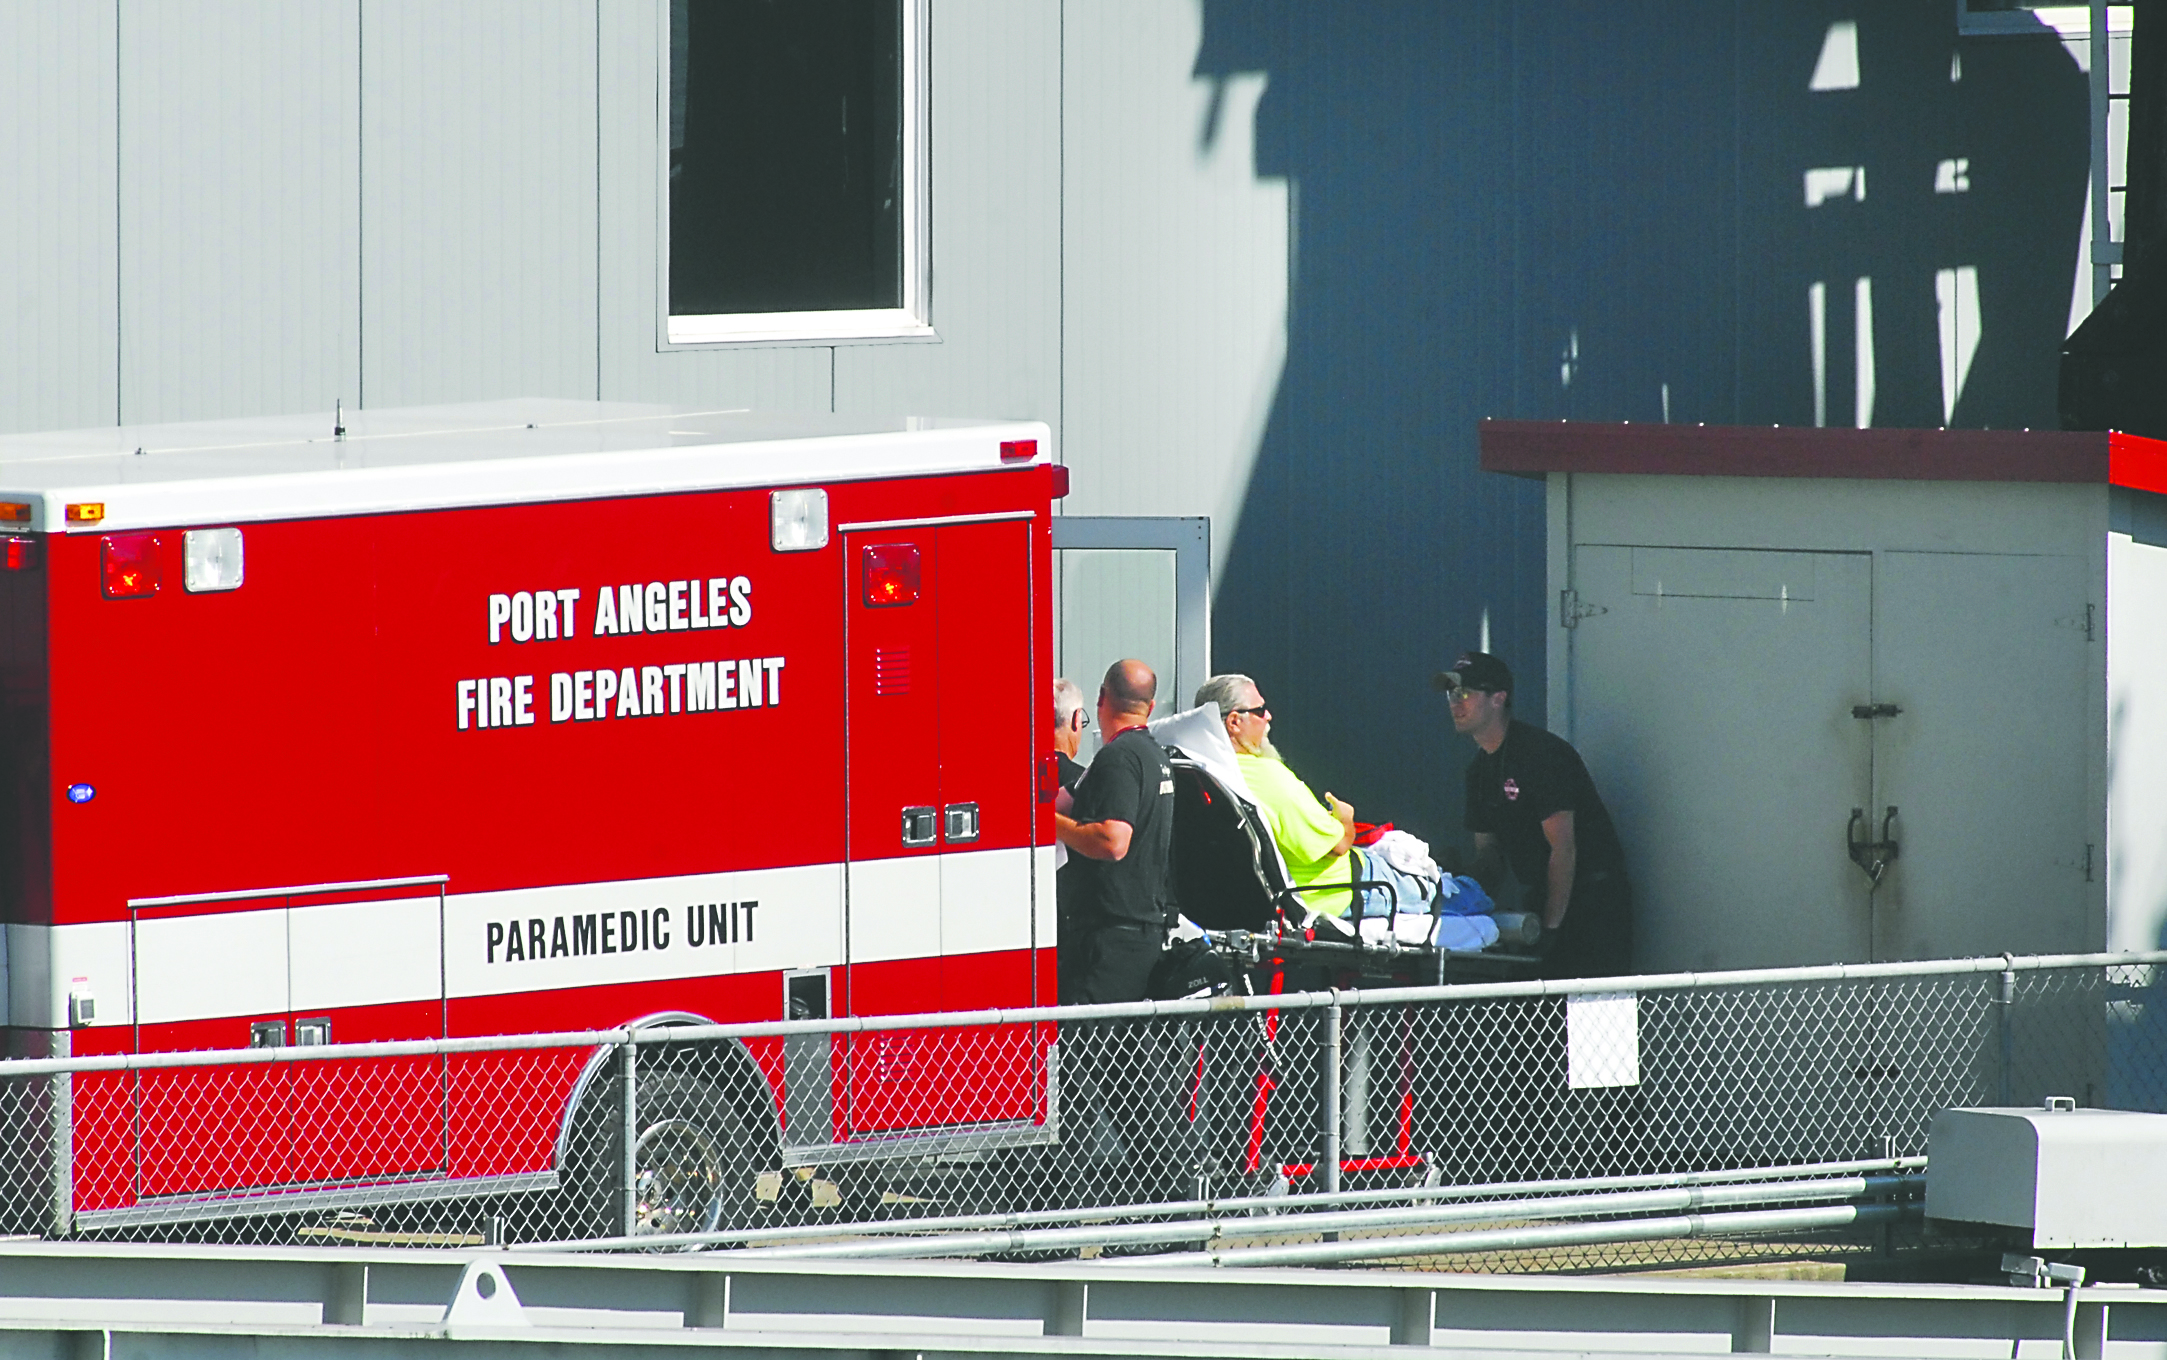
<point x="481" y="453"/>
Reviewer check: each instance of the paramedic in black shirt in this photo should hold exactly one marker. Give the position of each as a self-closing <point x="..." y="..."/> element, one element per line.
<point x="1120" y="836"/>
<point x="1530" y="803"/>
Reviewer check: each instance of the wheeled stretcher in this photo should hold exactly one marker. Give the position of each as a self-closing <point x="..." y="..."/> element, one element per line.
<point x="1233" y="884"/>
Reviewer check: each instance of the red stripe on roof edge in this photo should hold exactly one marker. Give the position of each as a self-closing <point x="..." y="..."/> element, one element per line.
<point x="2137" y="462"/>
<point x="1532" y="448"/>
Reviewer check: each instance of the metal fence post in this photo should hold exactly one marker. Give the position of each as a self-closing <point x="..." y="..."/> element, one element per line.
<point x="1331" y="1095"/>
<point x="2004" y="1003"/>
<point x="629" y="1190"/>
<point x="63" y="1140"/>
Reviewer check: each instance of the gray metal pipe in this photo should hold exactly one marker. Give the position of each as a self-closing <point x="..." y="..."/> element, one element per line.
<point x="1236" y="1204"/>
<point x="1749" y="1223"/>
<point x="1275" y="1225"/>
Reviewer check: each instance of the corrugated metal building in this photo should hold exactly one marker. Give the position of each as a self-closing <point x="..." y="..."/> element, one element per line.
<point x="1263" y="260"/>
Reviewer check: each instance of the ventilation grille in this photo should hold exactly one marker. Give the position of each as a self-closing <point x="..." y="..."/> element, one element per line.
<point x="891" y="670"/>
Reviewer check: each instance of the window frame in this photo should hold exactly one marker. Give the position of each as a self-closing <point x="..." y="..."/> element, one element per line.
<point x="913" y="321"/>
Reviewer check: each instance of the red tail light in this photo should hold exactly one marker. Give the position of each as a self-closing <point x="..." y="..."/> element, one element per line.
<point x="19" y="554"/>
<point x="891" y="574"/>
<point x="1018" y="450"/>
<point x="1060" y="480"/>
<point x="131" y="565"/>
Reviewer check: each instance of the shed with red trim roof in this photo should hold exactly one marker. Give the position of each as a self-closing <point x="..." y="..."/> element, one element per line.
<point x="1789" y="655"/>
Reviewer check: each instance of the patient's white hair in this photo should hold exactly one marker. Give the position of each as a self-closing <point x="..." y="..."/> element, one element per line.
<point x="1227" y="691"/>
<point x="1068" y="701"/>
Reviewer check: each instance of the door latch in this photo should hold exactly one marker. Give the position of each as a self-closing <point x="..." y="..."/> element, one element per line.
<point x="267" y="1034"/>
<point x="1571" y="611"/>
<point x="962" y="826"/>
<point x="1872" y="856"/>
<point x="921" y="825"/>
<point x="1870" y="711"/>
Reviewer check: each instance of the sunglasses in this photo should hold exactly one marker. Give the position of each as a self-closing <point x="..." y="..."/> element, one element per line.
<point x="1252" y="712"/>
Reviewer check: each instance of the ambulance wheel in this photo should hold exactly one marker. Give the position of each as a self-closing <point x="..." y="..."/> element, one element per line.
<point x="694" y="1162"/>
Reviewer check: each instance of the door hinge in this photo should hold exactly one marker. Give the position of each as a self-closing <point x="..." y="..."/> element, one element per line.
<point x="2086" y="623"/>
<point x="1571" y="611"/>
<point x="1875" y="710"/>
<point x="2087" y="861"/>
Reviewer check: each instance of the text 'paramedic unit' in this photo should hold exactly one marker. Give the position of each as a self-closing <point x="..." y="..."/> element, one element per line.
<point x="521" y="716"/>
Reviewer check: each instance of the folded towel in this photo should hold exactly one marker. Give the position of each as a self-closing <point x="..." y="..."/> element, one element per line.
<point x="1407" y="854"/>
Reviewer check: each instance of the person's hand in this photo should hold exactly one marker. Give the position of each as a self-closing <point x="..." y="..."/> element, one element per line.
<point x="1343" y="811"/>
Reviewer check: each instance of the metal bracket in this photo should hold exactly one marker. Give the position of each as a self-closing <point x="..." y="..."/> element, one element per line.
<point x="1870" y="711"/>
<point x="1571" y="611"/>
<point x="1872" y="856"/>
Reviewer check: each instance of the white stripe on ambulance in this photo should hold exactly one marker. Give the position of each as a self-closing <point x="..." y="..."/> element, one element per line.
<point x="328" y="957"/>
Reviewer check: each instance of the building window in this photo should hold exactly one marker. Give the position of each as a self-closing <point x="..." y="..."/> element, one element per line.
<point x="796" y="183"/>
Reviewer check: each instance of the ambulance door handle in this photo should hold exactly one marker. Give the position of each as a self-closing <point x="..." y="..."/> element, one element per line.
<point x="921" y="826"/>
<point x="962" y="823"/>
<point x="267" y="1034"/>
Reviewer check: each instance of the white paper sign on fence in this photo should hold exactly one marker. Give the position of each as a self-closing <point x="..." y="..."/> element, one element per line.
<point x="1602" y="1040"/>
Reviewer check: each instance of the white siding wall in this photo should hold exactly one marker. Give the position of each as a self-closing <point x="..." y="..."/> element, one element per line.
<point x="2136" y="744"/>
<point x="478" y="200"/>
<point x="239" y="207"/>
<point x="58" y="301"/>
<point x="1174" y="302"/>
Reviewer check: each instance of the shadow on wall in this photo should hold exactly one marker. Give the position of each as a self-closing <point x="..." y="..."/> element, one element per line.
<point x="1728" y="213"/>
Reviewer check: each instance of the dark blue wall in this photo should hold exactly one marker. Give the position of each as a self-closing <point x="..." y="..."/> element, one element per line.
<point x="1477" y="186"/>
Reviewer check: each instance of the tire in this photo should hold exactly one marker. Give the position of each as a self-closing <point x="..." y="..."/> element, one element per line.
<point x="692" y="1161"/>
<point x="695" y="1160"/>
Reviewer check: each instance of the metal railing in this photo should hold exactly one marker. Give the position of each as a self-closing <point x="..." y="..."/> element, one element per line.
<point x="1214" y="1122"/>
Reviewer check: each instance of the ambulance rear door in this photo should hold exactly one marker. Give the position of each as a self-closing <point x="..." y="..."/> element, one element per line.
<point x="943" y="698"/>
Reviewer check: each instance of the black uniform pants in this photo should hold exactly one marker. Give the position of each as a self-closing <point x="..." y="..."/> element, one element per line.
<point x="1597" y="937"/>
<point x="1108" y="961"/>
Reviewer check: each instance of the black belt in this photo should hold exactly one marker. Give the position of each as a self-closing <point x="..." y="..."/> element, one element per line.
<point x="1140" y="927"/>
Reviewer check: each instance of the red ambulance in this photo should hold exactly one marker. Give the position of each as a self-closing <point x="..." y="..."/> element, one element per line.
<point x="515" y="717"/>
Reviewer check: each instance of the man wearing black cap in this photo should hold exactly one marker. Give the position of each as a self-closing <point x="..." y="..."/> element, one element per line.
<point x="1531" y="804"/>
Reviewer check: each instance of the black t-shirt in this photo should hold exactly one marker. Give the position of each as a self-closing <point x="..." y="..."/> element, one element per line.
<point x="1068" y="883"/>
<point x="1129" y="781"/>
<point x="1533" y="774"/>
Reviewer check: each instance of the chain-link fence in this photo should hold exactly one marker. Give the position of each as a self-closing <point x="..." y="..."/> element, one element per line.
<point x="1495" y="1094"/>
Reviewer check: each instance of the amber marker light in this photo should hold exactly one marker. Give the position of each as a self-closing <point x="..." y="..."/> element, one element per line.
<point x="89" y="512"/>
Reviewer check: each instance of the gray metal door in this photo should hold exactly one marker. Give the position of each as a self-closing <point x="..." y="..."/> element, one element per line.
<point x="1133" y="585"/>
<point x="1986" y="656"/>
<point x="1712" y="697"/>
